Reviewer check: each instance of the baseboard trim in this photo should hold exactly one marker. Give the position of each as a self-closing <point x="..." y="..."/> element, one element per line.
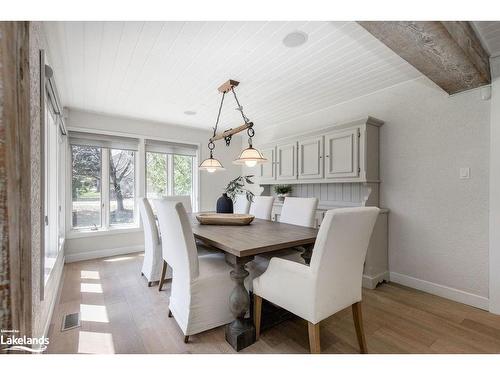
<point x="371" y="282"/>
<point x="96" y="254"/>
<point x="441" y="290"/>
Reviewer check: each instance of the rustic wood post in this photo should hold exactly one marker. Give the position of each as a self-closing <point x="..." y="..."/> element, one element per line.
<point x="15" y="178"/>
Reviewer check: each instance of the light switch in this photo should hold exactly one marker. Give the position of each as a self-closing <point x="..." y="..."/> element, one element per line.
<point x="464" y="173"/>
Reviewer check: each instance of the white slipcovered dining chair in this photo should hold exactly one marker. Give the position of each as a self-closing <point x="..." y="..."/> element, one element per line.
<point x="299" y="211"/>
<point x="241" y="204"/>
<point x="184" y="199"/>
<point x="333" y="280"/>
<point x="200" y="285"/>
<point x="296" y="211"/>
<point x="261" y="207"/>
<point x="201" y="248"/>
<point x="152" y="263"/>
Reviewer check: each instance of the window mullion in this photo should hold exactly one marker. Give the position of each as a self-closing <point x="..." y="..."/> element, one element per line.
<point x="170" y="174"/>
<point x="105" y="188"/>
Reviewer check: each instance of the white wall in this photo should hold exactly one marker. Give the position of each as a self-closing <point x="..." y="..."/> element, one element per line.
<point x="495" y="188"/>
<point x="211" y="185"/>
<point x="438" y="224"/>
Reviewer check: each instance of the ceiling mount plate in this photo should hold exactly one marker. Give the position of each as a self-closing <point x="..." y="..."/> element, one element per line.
<point x="227" y="86"/>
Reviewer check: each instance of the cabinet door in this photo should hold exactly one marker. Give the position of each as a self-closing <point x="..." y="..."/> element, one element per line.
<point x="341" y="154"/>
<point x="311" y="158"/>
<point x="267" y="170"/>
<point x="286" y="167"/>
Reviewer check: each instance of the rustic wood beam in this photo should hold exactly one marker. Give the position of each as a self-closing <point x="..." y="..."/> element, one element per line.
<point x="231" y="132"/>
<point x="448" y="53"/>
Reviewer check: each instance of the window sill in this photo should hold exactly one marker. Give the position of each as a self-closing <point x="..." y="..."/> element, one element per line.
<point x="101" y="232"/>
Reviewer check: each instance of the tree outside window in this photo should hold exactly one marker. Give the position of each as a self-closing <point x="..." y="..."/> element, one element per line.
<point x="183" y="174"/>
<point x="86" y="186"/>
<point x="156" y="175"/>
<point x="121" y="183"/>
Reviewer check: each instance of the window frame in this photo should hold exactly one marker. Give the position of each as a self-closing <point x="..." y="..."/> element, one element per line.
<point x="70" y="195"/>
<point x="105" y="201"/>
<point x="51" y="203"/>
<point x="170" y="176"/>
<point x="140" y="172"/>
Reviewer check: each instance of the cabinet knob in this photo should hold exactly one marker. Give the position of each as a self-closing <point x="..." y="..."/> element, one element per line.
<point x="327" y="156"/>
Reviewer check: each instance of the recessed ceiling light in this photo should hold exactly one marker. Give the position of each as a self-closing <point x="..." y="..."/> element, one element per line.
<point x="295" y="39"/>
<point x="190" y="113"/>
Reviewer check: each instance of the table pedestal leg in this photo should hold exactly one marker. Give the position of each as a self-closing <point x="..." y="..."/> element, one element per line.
<point x="307" y="253"/>
<point x="240" y="333"/>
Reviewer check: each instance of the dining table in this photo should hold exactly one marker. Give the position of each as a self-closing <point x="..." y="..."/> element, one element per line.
<point x="240" y="245"/>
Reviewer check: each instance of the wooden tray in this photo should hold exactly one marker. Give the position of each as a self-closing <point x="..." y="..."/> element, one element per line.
<point x="224" y="219"/>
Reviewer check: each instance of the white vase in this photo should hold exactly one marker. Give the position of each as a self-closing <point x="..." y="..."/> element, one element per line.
<point x="281" y="197"/>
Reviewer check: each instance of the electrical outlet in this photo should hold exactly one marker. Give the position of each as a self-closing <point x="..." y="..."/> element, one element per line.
<point x="464" y="173"/>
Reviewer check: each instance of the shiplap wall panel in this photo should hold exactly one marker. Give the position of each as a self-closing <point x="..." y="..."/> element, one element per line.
<point x="348" y="194"/>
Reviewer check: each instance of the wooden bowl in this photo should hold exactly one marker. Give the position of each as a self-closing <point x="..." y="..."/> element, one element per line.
<point x="224" y="219"/>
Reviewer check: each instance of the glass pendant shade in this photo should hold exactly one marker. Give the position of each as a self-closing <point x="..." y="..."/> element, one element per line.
<point x="250" y="157"/>
<point x="211" y="165"/>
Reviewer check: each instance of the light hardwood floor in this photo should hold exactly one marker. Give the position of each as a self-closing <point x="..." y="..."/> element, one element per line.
<point x="120" y="314"/>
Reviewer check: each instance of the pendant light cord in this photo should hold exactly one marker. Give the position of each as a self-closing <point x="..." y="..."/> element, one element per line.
<point x="240" y="107"/>
<point x="218" y="115"/>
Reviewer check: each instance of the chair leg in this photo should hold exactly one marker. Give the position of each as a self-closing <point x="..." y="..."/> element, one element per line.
<point x="150" y="283"/>
<point x="169" y="313"/>
<point x="257" y="311"/>
<point x="163" y="273"/>
<point x="358" y="323"/>
<point x="314" y="342"/>
<point x="186" y="339"/>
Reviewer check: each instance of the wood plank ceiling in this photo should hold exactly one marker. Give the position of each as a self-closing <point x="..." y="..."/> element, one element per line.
<point x="159" y="70"/>
<point x="489" y="33"/>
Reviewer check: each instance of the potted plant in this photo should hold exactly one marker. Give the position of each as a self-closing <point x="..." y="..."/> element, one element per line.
<point x="282" y="191"/>
<point x="233" y="188"/>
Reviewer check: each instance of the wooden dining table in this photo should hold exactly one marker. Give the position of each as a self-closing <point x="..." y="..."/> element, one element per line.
<point x="240" y="245"/>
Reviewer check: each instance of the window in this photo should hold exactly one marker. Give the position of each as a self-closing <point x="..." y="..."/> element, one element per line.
<point x="102" y="181"/>
<point x="183" y="175"/>
<point x="104" y="178"/>
<point x="53" y="193"/>
<point x="170" y="170"/>
<point x="86" y="164"/>
<point x="169" y="174"/>
<point x="156" y="175"/>
<point x="121" y="187"/>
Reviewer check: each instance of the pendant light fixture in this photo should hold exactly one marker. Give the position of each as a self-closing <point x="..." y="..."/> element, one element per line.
<point x="249" y="156"/>
<point x="211" y="165"/>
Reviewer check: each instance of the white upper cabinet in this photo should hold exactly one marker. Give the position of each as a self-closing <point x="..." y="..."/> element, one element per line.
<point x="342" y="154"/>
<point x="286" y="163"/>
<point x="310" y="152"/>
<point x="268" y="169"/>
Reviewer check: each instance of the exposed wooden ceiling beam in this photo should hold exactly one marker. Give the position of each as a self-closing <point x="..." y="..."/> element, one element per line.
<point x="448" y="53"/>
